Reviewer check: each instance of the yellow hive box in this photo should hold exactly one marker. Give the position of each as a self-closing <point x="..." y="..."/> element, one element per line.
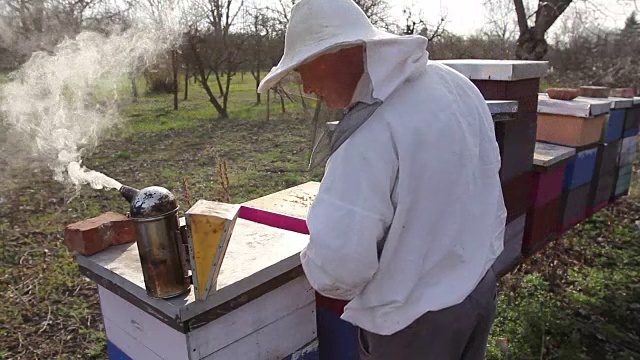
<point x="210" y="226"/>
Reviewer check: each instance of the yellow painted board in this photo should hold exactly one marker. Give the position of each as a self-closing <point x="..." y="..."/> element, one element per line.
<point x="210" y="225"/>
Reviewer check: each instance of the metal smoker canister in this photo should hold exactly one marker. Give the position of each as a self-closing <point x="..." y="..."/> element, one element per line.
<point x="154" y="212"/>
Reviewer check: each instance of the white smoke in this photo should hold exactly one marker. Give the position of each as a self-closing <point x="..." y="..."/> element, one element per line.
<point x="63" y="101"/>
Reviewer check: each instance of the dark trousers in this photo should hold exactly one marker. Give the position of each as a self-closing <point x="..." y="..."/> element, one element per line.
<point x="459" y="332"/>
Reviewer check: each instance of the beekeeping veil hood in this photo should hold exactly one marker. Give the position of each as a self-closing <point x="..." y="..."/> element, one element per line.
<point x="318" y="27"/>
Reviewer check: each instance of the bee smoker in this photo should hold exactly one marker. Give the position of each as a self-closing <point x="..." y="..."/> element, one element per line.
<point x="154" y="213"/>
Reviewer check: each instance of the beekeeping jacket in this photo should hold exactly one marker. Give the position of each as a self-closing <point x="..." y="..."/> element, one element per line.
<point x="410" y="214"/>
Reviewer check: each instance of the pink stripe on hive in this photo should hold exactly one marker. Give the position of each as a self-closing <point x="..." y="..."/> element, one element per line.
<point x="276" y="220"/>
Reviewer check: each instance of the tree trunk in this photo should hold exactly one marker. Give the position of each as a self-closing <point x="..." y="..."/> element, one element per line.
<point x="134" y="88"/>
<point x="304" y="104"/>
<point x="205" y="84"/>
<point x="220" y="88"/>
<point x="530" y="47"/>
<point x="258" y="100"/>
<point x="226" y="93"/>
<point x="174" y="61"/>
<point x="212" y="99"/>
<point x="531" y="43"/>
<point x="186" y="82"/>
<point x="268" y="104"/>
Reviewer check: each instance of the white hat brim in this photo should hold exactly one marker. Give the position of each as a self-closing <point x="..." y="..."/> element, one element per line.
<point x="290" y="63"/>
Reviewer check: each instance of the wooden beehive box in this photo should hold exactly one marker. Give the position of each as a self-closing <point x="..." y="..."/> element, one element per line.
<point x="550" y="162"/>
<point x="574" y="206"/>
<point x="543" y="217"/>
<point x="633" y="115"/>
<point x="604" y="176"/>
<point x="263" y="306"/>
<point x="581" y="168"/>
<point x="571" y="122"/>
<point x="543" y="225"/>
<point x="623" y="184"/>
<point x="628" y="152"/>
<point x="614" y="124"/>
<point x="512" y="80"/>
<point x="511" y="255"/>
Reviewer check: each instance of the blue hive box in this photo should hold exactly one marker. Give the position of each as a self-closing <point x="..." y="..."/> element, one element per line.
<point x="581" y="168"/>
<point x="614" y="126"/>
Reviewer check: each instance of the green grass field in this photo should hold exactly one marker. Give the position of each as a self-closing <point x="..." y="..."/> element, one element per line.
<point x="579" y="300"/>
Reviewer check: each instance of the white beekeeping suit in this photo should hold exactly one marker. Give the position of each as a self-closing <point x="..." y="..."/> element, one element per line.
<point x="420" y="176"/>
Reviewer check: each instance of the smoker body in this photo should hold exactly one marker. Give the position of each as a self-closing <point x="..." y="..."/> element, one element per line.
<point x="158" y="245"/>
<point x="154" y="213"/>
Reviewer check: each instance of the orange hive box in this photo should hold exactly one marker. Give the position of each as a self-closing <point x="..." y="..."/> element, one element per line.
<point x="569" y="130"/>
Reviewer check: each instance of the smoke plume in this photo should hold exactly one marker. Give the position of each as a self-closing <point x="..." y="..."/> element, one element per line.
<point x="61" y="102"/>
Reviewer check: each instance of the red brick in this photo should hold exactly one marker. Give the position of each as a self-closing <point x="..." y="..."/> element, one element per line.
<point x="91" y="236"/>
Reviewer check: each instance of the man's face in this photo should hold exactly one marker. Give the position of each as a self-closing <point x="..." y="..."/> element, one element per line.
<point x="334" y="76"/>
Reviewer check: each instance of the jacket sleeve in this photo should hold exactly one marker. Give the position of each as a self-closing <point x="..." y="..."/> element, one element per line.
<point x="351" y="214"/>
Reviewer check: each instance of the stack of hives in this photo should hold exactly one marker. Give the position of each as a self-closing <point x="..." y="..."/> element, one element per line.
<point x="602" y="132"/>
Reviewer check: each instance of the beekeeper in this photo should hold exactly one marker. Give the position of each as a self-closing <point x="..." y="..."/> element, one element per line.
<point x="410" y="216"/>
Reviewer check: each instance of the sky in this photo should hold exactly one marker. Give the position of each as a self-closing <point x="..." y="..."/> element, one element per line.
<point x="465" y="17"/>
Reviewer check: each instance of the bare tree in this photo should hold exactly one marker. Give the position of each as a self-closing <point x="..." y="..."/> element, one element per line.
<point x="377" y="11"/>
<point x="259" y="27"/>
<point x="215" y="49"/>
<point x="534" y="24"/>
<point x="501" y="23"/>
<point x="415" y="24"/>
<point x="39" y="25"/>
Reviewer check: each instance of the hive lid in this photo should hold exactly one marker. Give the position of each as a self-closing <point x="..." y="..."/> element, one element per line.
<point x="547" y="155"/>
<point x="498" y="70"/>
<point x="621" y="103"/>
<point x="579" y="107"/>
<point x="502" y="107"/>
<point x="636" y="100"/>
<point x="615" y="103"/>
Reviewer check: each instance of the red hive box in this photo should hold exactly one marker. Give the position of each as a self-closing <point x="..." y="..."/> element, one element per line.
<point x="514" y="81"/>
<point x="543" y="217"/>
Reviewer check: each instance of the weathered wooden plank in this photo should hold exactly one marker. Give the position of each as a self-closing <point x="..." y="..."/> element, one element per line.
<point x="295" y="201"/>
<point x="578" y="107"/>
<point x="548" y="155"/>
<point x="268" y="342"/>
<point x="511" y="254"/>
<point x="498" y="70"/>
<point x="127" y="344"/>
<point x="142" y="327"/>
<point x="629" y="150"/>
<point x="497" y="107"/>
<point x="615" y="103"/>
<point x="259" y="313"/>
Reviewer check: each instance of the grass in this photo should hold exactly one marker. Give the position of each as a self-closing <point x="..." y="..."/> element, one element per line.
<point x="579" y="300"/>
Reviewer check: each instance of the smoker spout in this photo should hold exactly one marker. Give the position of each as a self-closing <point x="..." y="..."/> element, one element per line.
<point x="128" y="193"/>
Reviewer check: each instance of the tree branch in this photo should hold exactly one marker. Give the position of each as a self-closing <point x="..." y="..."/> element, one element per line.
<point x="523" y="24"/>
